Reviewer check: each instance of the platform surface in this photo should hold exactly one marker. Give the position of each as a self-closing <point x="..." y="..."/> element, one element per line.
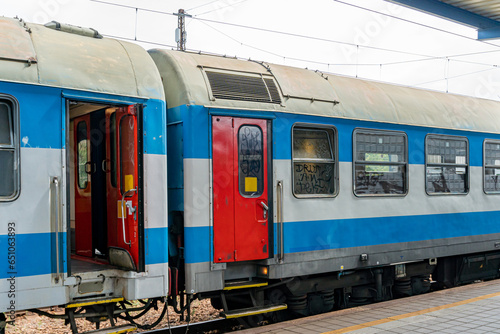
<point x="473" y="308"/>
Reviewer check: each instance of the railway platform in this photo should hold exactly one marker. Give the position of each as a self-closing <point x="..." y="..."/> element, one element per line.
<point x="473" y="308"/>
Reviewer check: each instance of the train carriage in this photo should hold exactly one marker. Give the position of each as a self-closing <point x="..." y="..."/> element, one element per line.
<point x="83" y="169"/>
<point x="292" y="186"/>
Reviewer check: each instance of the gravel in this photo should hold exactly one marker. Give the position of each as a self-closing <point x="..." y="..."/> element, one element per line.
<point x="31" y="323"/>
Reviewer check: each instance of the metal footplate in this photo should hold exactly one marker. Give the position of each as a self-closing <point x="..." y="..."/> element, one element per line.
<point x="245" y="312"/>
<point x="243" y="285"/>
<point x="113" y="330"/>
<point x="94" y="302"/>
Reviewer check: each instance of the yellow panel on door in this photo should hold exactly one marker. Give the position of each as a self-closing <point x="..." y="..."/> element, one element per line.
<point x="129" y="182"/>
<point x="119" y="206"/>
<point x="250" y="184"/>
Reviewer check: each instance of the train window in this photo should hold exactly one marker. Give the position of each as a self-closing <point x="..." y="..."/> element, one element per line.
<point x="9" y="149"/>
<point x="83" y="154"/>
<point x="250" y="161"/>
<point x="491" y="170"/>
<point x="380" y="163"/>
<point x="314" y="161"/>
<point x="112" y="148"/>
<point x="447" y="165"/>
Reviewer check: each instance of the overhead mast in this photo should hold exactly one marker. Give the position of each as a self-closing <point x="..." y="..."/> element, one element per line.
<point x="180" y="32"/>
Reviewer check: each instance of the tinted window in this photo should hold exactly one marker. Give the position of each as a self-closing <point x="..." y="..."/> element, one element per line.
<point x="380" y="165"/>
<point x="491" y="166"/>
<point x="250" y="161"/>
<point x="6" y="125"/>
<point x="447" y="169"/>
<point x="112" y="147"/>
<point x="7" y="186"/>
<point x="128" y="154"/>
<point x="83" y="154"/>
<point x="313" y="161"/>
<point x="9" y="149"/>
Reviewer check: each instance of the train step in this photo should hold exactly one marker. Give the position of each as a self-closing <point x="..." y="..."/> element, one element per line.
<point x="94" y="302"/>
<point x="114" y="330"/>
<point x="244" y="285"/>
<point x="245" y="312"/>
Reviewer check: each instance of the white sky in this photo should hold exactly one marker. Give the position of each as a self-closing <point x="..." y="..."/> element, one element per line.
<point x="328" y="20"/>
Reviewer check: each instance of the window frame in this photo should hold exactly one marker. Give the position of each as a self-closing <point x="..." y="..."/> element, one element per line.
<point x="405" y="164"/>
<point x="466" y="165"/>
<point x="489" y="141"/>
<point x="334" y="150"/>
<point x="79" y="167"/>
<point x="14" y="146"/>
<point x="262" y="171"/>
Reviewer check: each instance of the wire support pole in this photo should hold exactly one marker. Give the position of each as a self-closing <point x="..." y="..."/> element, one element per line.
<point x="180" y="33"/>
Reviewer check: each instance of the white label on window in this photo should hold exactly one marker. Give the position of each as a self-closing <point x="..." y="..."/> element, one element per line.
<point x="433" y="159"/>
<point x="434" y="170"/>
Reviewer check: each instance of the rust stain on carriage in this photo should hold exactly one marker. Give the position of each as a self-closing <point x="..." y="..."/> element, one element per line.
<point x="15" y="42"/>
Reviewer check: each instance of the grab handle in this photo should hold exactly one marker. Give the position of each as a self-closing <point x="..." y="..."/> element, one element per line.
<point x="279" y="218"/>
<point x="129" y="243"/>
<point x="56" y="218"/>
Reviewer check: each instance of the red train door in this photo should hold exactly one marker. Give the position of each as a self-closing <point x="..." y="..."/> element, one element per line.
<point x="83" y="198"/>
<point x="127" y="224"/>
<point x="240" y="189"/>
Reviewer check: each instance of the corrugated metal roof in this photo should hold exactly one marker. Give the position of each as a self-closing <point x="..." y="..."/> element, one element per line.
<point x="486" y="8"/>
<point x="481" y="14"/>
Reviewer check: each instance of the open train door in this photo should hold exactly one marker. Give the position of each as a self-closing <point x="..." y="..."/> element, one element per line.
<point x="126" y="252"/>
<point x="240" y="188"/>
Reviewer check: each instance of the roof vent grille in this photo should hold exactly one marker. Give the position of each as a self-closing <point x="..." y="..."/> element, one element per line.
<point x="253" y="88"/>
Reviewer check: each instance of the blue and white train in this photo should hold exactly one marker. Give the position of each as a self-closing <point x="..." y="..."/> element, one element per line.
<point x="316" y="190"/>
<point x="82" y="131"/>
<point x="286" y="192"/>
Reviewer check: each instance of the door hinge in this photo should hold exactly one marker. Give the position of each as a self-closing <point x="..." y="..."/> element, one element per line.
<point x="232" y="122"/>
<point x="235" y="254"/>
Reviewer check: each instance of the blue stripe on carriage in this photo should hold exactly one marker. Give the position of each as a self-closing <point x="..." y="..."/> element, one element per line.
<point x="197" y="244"/>
<point x="32" y="254"/>
<point x="306" y="236"/>
<point x="35" y="253"/>
<point x="196" y="134"/>
<point x="156" y="245"/>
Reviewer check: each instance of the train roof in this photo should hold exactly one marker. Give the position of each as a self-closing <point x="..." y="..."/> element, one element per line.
<point x="79" y="58"/>
<point x="222" y="82"/>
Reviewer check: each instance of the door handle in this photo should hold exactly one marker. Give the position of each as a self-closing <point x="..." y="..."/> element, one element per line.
<point x="129" y="243"/>
<point x="266" y="209"/>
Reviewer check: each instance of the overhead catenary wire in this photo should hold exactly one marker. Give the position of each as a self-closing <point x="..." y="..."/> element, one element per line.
<point x="452" y="77"/>
<point x="273" y="31"/>
<point x="429" y="27"/>
<point x="203" y="5"/>
<point x="345" y="64"/>
<point x="422" y="57"/>
<point x="220" y="8"/>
